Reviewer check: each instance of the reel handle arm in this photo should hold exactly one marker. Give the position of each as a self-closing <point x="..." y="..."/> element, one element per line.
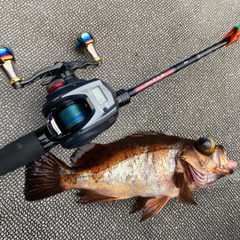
<point x="59" y="69"/>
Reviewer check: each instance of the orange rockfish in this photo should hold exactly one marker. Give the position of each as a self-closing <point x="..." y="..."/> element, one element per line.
<point x="151" y="166"/>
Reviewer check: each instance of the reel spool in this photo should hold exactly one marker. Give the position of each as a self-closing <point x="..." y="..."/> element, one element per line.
<point x="70" y="116"/>
<point x="74" y="114"/>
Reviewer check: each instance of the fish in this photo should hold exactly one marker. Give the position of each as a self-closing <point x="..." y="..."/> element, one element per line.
<point x="151" y="167"/>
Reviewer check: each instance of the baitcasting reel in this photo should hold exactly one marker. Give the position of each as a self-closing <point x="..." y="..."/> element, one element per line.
<point x="77" y="110"/>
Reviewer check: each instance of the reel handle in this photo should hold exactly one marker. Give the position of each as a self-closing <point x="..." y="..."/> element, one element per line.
<point x="7" y="64"/>
<point x="85" y="43"/>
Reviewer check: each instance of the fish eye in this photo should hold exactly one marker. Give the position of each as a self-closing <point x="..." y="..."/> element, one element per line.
<point x="206" y="145"/>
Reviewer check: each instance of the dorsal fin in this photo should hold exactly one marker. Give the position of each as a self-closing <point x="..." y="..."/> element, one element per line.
<point x="144" y="133"/>
<point x="81" y="156"/>
<point x="184" y="195"/>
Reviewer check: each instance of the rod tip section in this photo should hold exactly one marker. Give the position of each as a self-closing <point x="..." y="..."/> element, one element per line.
<point x="233" y="35"/>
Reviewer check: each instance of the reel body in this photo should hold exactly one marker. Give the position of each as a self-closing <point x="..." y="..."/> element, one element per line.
<point x="77" y="110"/>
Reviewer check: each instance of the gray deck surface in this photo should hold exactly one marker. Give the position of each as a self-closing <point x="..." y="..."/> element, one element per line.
<point x="137" y="39"/>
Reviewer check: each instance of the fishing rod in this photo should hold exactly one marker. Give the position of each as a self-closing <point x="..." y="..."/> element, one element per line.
<point x="76" y="110"/>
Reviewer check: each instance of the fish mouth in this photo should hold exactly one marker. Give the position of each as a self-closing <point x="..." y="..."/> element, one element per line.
<point x="200" y="179"/>
<point x="226" y="166"/>
<point x="207" y="173"/>
<point x="206" y="180"/>
<point x="226" y="169"/>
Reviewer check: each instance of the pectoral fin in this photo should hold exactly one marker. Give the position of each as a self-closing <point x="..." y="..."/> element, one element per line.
<point x="154" y="206"/>
<point x="184" y="195"/>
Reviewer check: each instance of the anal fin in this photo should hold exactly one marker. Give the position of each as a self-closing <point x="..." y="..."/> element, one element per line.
<point x="151" y="206"/>
<point x="184" y="195"/>
<point x="140" y="203"/>
<point x="91" y="196"/>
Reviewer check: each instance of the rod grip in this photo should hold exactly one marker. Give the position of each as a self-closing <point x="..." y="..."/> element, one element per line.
<point x="20" y="152"/>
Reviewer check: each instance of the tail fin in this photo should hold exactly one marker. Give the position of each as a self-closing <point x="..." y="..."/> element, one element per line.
<point x="43" y="177"/>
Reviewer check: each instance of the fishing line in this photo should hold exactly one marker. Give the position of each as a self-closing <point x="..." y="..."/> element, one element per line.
<point x="73" y="114"/>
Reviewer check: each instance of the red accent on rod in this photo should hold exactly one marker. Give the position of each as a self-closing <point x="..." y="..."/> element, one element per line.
<point x="154" y="80"/>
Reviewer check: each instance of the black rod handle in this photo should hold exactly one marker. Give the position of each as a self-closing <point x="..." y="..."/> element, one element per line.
<point x="25" y="150"/>
<point x="20" y="152"/>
